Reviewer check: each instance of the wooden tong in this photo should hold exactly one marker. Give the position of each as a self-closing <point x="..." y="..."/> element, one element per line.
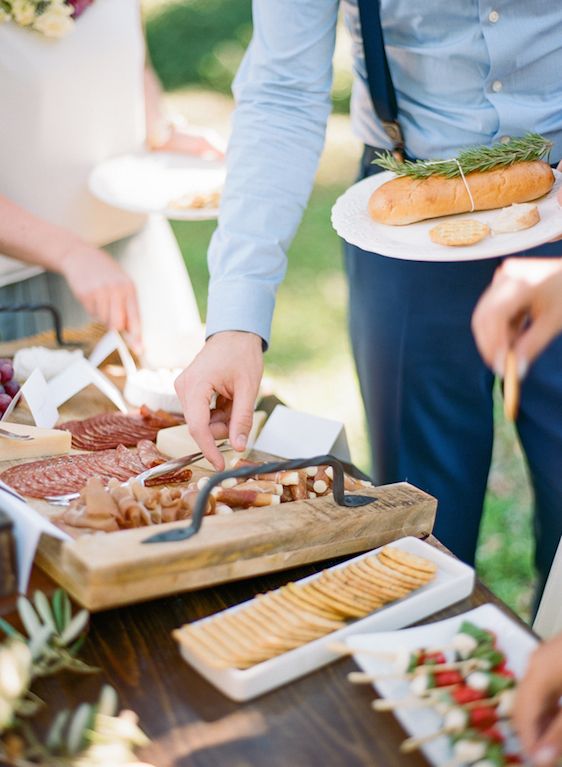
<point x="511" y="387"/>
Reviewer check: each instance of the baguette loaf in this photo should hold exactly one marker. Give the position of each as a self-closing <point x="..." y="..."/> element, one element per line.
<point x="405" y="200"/>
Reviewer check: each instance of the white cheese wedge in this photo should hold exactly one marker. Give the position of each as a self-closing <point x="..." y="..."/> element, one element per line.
<point x="154" y="388"/>
<point x="176" y="441"/>
<point x="515" y="218"/>
<point x="45" y="442"/>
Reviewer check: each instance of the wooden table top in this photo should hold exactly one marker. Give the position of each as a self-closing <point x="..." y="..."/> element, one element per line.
<point x="320" y="719"/>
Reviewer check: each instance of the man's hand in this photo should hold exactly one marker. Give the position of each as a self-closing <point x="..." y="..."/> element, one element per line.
<point x="104" y="289"/>
<point x="537" y="714"/>
<point x="230" y="365"/>
<point x="522" y="308"/>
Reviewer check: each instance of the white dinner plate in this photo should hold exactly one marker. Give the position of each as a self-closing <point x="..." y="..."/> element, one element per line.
<point x="513" y="640"/>
<point x="147" y="182"/>
<point x="454" y="581"/>
<point x="351" y="220"/>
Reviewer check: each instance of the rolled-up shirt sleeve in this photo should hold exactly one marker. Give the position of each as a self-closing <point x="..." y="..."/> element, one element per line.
<point x="282" y="94"/>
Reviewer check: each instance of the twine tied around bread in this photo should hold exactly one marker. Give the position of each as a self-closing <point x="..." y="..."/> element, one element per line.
<point x="465" y="182"/>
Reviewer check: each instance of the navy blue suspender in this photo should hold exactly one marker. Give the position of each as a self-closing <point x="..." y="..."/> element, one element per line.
<point x="379" y="78"/>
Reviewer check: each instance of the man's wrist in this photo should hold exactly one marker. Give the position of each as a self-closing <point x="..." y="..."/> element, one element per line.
<point x="249" y="335"/>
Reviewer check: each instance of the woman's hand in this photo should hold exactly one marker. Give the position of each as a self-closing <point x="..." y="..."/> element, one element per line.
<point x="522" y="308"/>
<point x="205" y="144"/>
<point x="104" y="289"/>
<point x="537" y="714"/>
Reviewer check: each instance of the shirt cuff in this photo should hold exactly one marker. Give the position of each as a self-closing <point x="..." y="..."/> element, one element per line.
<point x="244" y="305"/>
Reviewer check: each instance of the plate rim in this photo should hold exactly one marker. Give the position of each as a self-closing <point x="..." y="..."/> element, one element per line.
<point x="450" y="255"/>
<point x="173" y="214"/>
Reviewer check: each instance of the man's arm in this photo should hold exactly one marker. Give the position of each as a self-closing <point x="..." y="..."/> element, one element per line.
<point x="282" y="96"/>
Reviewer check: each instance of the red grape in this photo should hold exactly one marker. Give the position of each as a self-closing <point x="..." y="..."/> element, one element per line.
<point x="5" y="401"/>
<point x="11" y="387"/>
<point x="6" y="372"/>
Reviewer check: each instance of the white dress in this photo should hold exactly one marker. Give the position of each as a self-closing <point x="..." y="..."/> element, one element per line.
<point x="65" y="105"/>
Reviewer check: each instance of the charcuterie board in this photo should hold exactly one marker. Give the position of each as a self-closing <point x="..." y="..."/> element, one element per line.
<point x="104" y="570"/>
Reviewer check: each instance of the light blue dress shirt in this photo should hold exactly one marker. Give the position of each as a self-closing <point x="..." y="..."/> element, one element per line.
<point x="465" y="73"/>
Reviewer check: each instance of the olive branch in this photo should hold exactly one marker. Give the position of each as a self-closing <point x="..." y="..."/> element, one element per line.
<point x="92" y="735"/>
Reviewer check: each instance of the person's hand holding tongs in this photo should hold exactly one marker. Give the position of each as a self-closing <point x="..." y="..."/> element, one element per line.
<point x="516" y="318"/>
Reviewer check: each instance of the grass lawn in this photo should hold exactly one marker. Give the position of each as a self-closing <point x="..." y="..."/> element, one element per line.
<point x="309" y="365"/>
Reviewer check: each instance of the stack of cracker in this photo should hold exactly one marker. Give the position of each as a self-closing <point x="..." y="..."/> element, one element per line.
<point x="297" y="613"/>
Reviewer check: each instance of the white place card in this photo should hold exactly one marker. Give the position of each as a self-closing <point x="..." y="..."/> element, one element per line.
<point x="35" y="391"/>
<point x="29" y="526"/>
<point x="294" y="434"/>
<point x="110" y="343"/>
<point x="79" y="375"/>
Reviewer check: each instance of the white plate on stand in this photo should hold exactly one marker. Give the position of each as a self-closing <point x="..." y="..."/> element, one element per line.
<point x="147" y="182"/>
<point x="351" y="220"/>
<point x="513" y="640"/>
<point x="454" y="581"/>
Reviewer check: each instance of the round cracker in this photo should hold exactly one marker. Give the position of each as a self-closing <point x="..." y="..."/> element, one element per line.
<point x="324" y="592"/>
<point x="302" y="593"/>
<point x="385" y="577"/>
<point x="373" y="585"/>
<point x="408" y="559"/>
<point x="356" y="589"/>
<point x="296" y="597"/>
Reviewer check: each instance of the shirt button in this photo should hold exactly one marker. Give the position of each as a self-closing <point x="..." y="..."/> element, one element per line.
<point x="493" y="16"/>
<point x="505" y="139"/>
<point x="497" y="85"/>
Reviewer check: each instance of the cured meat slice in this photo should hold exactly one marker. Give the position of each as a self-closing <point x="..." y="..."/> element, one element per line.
<point x="107" y="430"/>
<point x="70" y="473"/>
<point x="149" y="454"/>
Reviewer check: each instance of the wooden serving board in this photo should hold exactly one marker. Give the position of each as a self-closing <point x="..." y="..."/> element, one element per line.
<point x="107" y="570"/>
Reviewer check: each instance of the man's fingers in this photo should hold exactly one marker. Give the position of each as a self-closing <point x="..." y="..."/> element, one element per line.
<point x="196" y="401"/>
<point x="242" y="416"/>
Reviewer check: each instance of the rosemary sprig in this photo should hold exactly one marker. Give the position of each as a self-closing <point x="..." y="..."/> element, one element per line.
<point x="530" y="147"/>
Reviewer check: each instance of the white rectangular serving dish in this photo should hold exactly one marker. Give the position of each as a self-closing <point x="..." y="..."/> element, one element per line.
<point x="513" y="640"/>
<point x="454" y="581"/>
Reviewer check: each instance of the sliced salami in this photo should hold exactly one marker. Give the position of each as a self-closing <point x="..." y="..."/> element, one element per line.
<point x="107" y="430"/>
<point x="69" y="473"/>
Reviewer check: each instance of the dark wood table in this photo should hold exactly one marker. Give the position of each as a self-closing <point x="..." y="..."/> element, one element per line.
<point x="320" y="719"/>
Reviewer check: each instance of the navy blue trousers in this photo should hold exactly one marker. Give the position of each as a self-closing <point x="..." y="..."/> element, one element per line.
<point x="428" y="394"/>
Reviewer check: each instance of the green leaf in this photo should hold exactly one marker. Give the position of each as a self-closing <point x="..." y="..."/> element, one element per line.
<point x="28" y="616"/>
<point x="74" y="627"/>
<point x="67" y="609"/>
<point x="107" y="704"/>
<point x="10" y="630"/>
<point x="54" y="736"/>
<point x="78" y="726"/>
<point x="44" y="609"/>
<point x="39" y="641"/>
<point x="58" y="609"/>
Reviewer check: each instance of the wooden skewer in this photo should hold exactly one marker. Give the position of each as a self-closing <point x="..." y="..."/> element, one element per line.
<point x="389" y="704"/>
<point x="511" y="387"/>
<point x="342" y="649"/>
<point x="412" y="744"/>
<point x="359" y="677"/>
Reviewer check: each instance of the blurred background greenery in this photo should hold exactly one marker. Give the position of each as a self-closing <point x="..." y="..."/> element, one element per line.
<point x="196" y="47"/>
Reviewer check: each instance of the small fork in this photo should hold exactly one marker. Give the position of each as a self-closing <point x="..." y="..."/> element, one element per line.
<point x="156" y="471"/>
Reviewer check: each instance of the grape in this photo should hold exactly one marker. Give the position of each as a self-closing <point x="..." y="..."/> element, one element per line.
<point x="5" y="401"/>
<point x="6" y="371"/>
<point x="10" y="387"/>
